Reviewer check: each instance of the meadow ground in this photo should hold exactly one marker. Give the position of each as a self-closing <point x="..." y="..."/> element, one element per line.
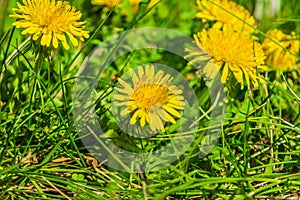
<point x="91" y="107"/>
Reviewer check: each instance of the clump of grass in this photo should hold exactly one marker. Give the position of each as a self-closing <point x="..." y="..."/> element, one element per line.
<point x="42" y="156"/>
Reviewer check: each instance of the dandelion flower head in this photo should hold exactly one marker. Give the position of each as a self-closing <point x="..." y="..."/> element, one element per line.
<point x="232" y="53"/>
<point x="150" y="98"/>
<point x="226" y="13"/>
<point x="134" y="4"/>
<point x="109" y="3"/>
<point x="279" y="58"/>
<point x="50" y="21"/>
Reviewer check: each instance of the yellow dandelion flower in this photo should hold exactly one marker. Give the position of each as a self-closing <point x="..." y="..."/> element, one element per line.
<point x="50" y="21"/>
<point x="226" y="14"/>
<point x="151" y="98"/>
<point x="109" y="3"/>
<point x="231" y="52"/>
<point x="135" y="4"/>
<point x="279" y="58"/>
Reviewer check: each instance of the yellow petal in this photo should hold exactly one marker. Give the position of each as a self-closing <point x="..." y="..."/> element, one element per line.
<point x="161" y="113"/>
<point x="158" y="76"/>
<point x="36" y="36"/>
<point x="123" y="90"/>
<point x="46" y="40"/>
<point x="55" y="41"/>
<point x="172" y="111"/>
<point x="150" y="70"/>
<point x="239" y="77"/>
<point x="30" y="30"/>
<point x="121" y="97"/>
<point x="224" y="73"/>
<point x="125" y="112"/>
<point x="210" y="69"/>
<point x="125" y="103"/>
<point x="63" y="40"/>
<point x="140" y="72"/>
<point x="143" y="117"/>
<point x="134" y="117"/>
<point x="72" y="38"/>
<point x="125" y="85"/>
<point x="148" y="120"/>
<point x="174" y="103"/>
<point x="165" y="79"/>
<point x="169" y="118"/>
<point x="134" y="78"/>
<point x="246" y="76"/>
<point x="156" y="123"/>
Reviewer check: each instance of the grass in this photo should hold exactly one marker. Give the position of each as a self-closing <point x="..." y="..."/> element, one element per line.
<point x="42" y="155"/>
